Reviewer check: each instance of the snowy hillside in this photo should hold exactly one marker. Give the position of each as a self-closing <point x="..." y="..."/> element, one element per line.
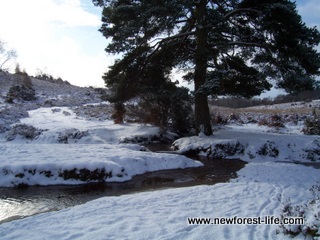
<point x="59" y="93"/>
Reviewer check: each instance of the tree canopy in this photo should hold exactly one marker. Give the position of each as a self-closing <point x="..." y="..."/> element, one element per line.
<point x="226" y="47"/>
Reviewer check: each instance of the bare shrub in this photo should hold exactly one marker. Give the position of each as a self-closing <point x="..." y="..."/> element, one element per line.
<point x="7" y="56"/>
<point x="263" y="122"/>
<point x="218" y="119"/>
<point x="274" y="121"/>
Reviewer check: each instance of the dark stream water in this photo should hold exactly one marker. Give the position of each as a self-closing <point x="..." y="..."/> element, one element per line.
<point x="19" y="203"/>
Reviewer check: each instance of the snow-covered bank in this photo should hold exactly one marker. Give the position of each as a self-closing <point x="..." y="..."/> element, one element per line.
<point x="261" y="190"/>
<point x="60" y="123"/>
<point x="253" y="143"/>
<point x="55" y="146"/>
<point x="47" y="164"/>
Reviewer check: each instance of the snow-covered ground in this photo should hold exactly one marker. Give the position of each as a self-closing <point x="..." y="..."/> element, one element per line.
<point x="261" y="190"/>
<point x="61" y="147"/>
<point x="251" y="142"/>
<point x="73" y="150"/>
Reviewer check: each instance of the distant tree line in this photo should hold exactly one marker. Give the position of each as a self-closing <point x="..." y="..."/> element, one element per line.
<point x="49" y="78"/>
<point x="237" y="102"/>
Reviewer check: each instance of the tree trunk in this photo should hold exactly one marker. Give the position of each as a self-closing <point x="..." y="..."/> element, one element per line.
<point x="202" y="114"/>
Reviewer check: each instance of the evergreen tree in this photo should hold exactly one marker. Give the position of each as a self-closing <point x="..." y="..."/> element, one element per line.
<point x="226" y="47"/>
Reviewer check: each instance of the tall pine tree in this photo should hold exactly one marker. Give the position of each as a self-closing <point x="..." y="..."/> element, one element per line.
<point x="226" y="47"/>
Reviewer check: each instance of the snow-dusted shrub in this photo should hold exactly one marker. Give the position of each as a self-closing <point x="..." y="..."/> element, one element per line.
<point x="222" y="150"/>
<point x="98" y="112"/>
<point x="269" y="149"/>
<point x="293" y="119"/>
<point x="312" y="125"/>
<point x="218" y="119"/>
<point x="66" y="113"/>
<point x="274" y="121"/>
<point x="234" y="118"/>
<point x="249" y="118"/>
<point x="86" y="175"/>
<point x="134" y="113"/>
<point x="20" y="93"/>
<point x="12" y="114"/>
<point x="4" y="128"/>
<point x="25" y="131"/>
<point x="263" y="122"/>
<point x="313" y="151"/>
<point x="71" y="134"/>
<point x="143" y="139"/>
<point x="169" y="108"/>
<point x="309" y="211"/>
<point x="55" y="110"/>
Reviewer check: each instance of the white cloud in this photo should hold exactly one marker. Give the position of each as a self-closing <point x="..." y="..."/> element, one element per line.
<point x="71" y="14"/>
<point x="56" y="35"/>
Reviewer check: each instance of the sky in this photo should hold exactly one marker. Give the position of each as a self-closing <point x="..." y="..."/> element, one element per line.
<point x="58" y="37"/>
<point x="61" y="37"/>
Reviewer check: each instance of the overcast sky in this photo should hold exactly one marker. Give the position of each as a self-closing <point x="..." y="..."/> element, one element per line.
<point x="61" y="38"/>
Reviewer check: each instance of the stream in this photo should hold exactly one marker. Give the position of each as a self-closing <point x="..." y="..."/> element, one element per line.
<point x="18" y="203"/>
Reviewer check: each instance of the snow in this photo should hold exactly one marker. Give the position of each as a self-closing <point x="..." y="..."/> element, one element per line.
<point x="99" y="149"/>
<point x="70" y="142"/>
<point x="253" y="140"/>
<point x="258" y="191"/>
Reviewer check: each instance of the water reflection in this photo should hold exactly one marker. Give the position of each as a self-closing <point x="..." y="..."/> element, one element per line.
<point x="18" y="203"/>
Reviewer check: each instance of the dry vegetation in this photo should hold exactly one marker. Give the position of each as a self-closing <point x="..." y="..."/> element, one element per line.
<point x="294" y="108"/>
<point x="305" y="115"/>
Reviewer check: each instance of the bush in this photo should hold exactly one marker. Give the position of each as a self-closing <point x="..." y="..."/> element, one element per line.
<point x="26" y="131"/>
<point x="269" y="149"/>
<point x="169" y="107"/>
<point x="71" y="134"/>
<point x="313" y="152"/>
<point x="13" y="114"/>
<point x="224" y="150"/>
<point x="86" y="175"/>
<point x="312" y="124"/>
<point x="309" y="211"/>
<point x="20" y="93"/>
<point x="218" y="119"/>
<point x="4" y="128"/>
<point x="274" y="121"/>
<point x="49" y="78"/>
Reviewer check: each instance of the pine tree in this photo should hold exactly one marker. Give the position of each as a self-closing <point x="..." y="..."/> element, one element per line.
<point x="226" y="47"/>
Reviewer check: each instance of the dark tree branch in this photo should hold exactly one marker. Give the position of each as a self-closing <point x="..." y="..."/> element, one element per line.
<point x="240" y="10"/>
<point x="248" y="44"/>
<point x="180" y="35"/>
